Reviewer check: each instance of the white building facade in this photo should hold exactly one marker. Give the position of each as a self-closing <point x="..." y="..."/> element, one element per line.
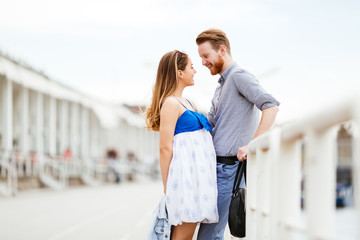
<point x="43" y="121"/>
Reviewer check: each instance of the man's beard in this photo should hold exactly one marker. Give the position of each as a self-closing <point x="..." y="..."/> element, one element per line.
<point x="217" y="66"/>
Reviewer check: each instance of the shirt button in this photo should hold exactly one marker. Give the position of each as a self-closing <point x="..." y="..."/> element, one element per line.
<point x="166" y="236"/>
<point x="162" y="230"/>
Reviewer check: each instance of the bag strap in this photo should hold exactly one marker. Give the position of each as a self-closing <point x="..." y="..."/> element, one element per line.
<point x="239" y="173"/>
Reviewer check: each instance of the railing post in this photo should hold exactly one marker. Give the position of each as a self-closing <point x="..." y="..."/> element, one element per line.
<point x="320" y="179"/>
<point x="262" y="195"/>
<point x="251" y="184"/>
<point x="289" y="185"/>
<point x="274" y="191"/>
<point x="356" y="164"/>
<point x="268" y="186"/>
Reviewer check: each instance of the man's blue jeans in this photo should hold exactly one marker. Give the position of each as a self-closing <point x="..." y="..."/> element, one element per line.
<point x="225" y="182"/>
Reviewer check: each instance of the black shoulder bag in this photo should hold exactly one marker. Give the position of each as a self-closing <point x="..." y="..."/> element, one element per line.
<point x="237" y="209"/>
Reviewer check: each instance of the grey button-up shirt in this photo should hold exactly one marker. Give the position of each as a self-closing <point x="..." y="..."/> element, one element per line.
<point x="234" y="114"/>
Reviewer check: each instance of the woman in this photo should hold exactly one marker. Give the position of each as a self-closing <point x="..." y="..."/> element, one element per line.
<point x="187" y="155"/>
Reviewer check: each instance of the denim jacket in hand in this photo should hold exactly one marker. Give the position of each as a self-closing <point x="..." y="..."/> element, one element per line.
<point x="160" y="228"/>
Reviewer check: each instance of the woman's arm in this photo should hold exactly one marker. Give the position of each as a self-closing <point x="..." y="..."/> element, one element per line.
<point x="168" y="117"/>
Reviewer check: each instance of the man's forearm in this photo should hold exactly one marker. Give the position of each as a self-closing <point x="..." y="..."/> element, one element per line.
<point x="267" y="120"/>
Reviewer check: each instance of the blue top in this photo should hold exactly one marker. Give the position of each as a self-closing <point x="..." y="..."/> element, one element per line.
<point x="190" y="121"/>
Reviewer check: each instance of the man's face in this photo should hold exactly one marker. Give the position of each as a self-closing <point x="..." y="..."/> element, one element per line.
<point x="211" y="58"/>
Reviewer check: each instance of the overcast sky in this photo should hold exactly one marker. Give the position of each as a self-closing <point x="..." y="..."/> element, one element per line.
<point x="305" y="53"/>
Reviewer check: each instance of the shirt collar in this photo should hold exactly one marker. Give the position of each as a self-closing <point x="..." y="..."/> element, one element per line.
<point x="225" y="74"/>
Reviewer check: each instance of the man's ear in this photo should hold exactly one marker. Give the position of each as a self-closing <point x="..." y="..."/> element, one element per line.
<point x="222" y="50"/>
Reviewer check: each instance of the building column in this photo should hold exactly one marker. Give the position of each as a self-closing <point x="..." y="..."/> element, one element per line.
<point x="131" y="139"/>
<point x="24" y="118"/>
<point x="24" y="127"/>
<point x="39" y="124"/>
<point x="64" y="116"/>
<point x="52" y="127"/>
<point x="7" y="109"/>
<point x="84" y="133"/>
<point x="94" y="131"/>
<point x="123" y="140"/>
<point x="140" y="141"/>
<point x="74" y="126"/>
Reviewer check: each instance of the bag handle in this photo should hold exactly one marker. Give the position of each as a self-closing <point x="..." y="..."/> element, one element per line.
<point x="239" y="173"/>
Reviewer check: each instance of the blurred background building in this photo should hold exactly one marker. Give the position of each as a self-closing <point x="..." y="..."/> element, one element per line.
<point x="55" y="136"/>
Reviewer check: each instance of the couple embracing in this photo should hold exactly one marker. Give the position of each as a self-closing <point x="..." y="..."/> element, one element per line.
<point x="199" y="155"/>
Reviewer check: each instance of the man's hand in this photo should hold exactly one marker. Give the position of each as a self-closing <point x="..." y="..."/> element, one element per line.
<point x="242" y="153"/>
<point x="267" y="119"/>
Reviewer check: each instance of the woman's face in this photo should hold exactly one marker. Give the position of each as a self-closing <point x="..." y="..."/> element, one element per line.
<point x="187" y="75"/>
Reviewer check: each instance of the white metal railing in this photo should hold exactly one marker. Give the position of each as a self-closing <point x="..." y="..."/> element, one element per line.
<point x="275" y="174"/>
<point x="53" y="173"/>
<point x="26" y="166"/>
<point x="56" y="172"/>
<point x="96" y="171"/>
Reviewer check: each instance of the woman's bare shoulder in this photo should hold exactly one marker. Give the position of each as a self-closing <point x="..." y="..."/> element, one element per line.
<point x="170" y="104"/>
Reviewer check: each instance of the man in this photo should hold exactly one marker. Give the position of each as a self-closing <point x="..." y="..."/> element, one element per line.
<point x="234" y="116"/>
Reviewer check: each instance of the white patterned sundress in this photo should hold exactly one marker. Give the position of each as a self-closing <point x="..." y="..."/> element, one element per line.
<point x="191" y="190"/>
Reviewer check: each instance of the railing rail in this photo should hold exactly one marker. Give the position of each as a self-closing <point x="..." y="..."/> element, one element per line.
<point x="58" y="172"/>
<point x="275" y="175"/>
<point x="53" y="173"/>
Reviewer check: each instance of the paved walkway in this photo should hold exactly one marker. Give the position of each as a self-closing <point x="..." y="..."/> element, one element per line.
<point x="111" y="212"/>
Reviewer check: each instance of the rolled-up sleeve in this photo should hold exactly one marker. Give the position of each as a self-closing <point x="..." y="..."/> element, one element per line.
<point x="249" y="87"/>
<point x="211" y="115"/>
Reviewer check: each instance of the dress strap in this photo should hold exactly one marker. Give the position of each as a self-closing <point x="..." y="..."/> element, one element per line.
<point x="179" y="102"/>
<point x="182" y="104"/>
<point x="190" y="103"/>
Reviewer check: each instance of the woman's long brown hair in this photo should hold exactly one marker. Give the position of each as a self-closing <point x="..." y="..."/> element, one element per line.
<point x="165" y="85"/>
